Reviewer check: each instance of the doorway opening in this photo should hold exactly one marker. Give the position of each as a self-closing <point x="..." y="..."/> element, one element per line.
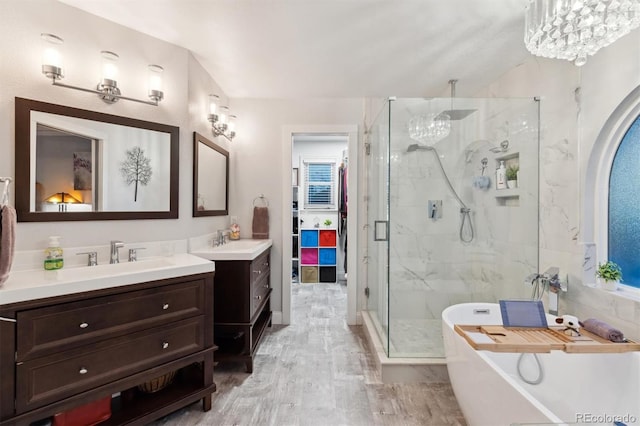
<point x="318" y="194"/>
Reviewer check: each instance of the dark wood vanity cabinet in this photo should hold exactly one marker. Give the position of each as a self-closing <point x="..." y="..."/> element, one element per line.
<point x="66" y="351"/>
<point x="242" y="307"/>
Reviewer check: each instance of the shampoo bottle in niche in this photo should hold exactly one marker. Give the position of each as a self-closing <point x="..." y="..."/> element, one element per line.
<point x="53" y="255"/>
<point x="501" y="176"/>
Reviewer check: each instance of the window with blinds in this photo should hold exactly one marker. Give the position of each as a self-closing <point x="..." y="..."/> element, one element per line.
<point x="320" y="184"/>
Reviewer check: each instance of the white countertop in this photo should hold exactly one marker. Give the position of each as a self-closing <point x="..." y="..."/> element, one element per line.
<point x="233" y="250"/>
<point x="37" y="284"/>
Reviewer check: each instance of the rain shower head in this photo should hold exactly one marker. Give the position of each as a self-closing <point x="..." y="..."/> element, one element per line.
<point x="454" y="114"/>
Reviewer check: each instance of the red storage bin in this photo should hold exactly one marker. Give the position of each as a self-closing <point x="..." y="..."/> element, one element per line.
<point x="328" y="238"/>
<point x="87" y="415"/>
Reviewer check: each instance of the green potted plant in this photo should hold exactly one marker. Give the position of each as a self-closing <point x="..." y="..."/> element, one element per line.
<point x="609" y="275"/>
<point x="327" y="222"/>
<point x="512" y="176"/>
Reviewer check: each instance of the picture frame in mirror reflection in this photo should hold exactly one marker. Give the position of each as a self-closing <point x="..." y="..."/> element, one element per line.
<point x="87" y="157"/>
<point x="210" y="178"/>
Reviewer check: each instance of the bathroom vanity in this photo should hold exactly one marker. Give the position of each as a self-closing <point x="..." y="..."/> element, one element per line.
<point x="242" y="298"/>
<point x="121" y="332"/>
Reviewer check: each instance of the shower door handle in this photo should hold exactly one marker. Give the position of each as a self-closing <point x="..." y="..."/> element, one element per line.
<point x="381" y="230"/>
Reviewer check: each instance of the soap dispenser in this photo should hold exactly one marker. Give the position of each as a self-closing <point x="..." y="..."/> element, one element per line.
<point x="53" y="255"/>
<point x="501" y="176"/>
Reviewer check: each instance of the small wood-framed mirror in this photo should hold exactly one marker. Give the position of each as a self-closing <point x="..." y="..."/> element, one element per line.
<point x="210" y="178"/>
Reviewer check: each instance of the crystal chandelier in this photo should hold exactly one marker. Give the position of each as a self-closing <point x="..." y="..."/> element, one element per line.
<point x="573" y="29"/>
<point x="430" y="128"/>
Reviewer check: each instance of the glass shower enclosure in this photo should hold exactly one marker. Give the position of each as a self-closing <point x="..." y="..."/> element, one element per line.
<point x="444" y="225"/>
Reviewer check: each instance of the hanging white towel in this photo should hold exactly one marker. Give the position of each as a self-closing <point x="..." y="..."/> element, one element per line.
<point x="7" y="241"/>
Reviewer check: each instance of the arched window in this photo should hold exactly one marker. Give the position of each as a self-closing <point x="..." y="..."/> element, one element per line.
<point x="624" y="206"/>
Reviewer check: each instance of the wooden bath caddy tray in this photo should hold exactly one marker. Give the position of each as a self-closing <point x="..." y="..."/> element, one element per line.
<point x="497" y="338"/>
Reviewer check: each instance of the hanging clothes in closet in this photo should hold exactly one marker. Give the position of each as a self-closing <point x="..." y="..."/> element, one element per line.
<point x="342" y="209"/>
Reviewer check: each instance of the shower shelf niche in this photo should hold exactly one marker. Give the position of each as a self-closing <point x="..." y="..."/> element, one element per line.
<point x="510" y="196"/>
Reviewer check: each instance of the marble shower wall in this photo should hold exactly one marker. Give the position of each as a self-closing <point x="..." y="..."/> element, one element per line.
<point x="430" y="267"/>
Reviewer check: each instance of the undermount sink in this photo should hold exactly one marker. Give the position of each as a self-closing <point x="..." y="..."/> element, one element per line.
<point x="114" y="268"/>
<point x="36" y="284"/>
<point x="246" y="249"/>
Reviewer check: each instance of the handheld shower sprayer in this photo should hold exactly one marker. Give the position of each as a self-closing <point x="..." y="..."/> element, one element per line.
<point x="464" y="210"/>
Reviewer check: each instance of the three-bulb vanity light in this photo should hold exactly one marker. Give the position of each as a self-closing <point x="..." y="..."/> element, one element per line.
<point x="222" y="123"/>
<point x="107" y="89"/>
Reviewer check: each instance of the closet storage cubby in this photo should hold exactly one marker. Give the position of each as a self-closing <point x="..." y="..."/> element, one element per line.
<point x="318" y="255"/>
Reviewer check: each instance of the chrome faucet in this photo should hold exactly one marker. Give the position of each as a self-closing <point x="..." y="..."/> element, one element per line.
<point x="133" y="253"/>
<point x="115" y="255"/>
<point x="551" y="279"/>
<point x="219" y="240"/>
<point x="92" y="258"/>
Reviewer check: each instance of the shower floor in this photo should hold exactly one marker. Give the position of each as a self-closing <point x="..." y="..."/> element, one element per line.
<point x="416" y="338"/>
<point x="413" y="338"/>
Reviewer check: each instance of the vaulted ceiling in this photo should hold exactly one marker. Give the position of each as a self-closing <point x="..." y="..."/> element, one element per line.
<point x="334" y="48"/>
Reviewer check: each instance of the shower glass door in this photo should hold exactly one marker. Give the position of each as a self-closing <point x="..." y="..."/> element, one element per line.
<point x="453" y="233"/>
<point x="377" y="256"/>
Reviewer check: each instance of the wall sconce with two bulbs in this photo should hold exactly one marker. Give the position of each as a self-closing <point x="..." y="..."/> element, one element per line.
<point x="107" y="89"/>
<point x="222" y="122"/>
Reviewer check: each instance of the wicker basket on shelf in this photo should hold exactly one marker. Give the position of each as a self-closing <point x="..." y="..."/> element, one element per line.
<point x="158" y="383"/>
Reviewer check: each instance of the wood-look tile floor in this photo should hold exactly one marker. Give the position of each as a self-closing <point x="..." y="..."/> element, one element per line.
<point x="317" y="371"/>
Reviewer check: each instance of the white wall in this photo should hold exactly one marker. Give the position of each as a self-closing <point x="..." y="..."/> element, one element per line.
<point x="257" y="161"/>
<point x="85" y="35"/>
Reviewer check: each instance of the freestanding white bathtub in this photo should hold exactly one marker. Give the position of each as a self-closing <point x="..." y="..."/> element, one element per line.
<point x="576" y="388"/>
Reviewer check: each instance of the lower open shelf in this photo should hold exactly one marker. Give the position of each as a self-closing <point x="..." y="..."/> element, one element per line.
<point x="258" y="329"/>
<point x="240" y="341"/>
<point x="133" y="406"/>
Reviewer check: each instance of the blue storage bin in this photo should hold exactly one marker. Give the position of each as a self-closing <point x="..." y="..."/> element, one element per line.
<point x="309" y="238"/>
<point x="327" y="256"/>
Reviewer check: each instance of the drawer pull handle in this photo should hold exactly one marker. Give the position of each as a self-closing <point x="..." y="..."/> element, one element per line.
<point x="257" y="272"/>
<point x="84" y="325"/>
<point x="265" y="285"/>
<point x="83" y="371"/>
<point x="259" y="297"/>
<point x="165" y="306"/>
<point x="165" y="345"/>
<point x="266" y="264"/>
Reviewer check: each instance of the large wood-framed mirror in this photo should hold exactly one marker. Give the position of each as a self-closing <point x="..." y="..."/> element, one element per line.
<point x="210" y="178"/>
<point x="75" y="164"/>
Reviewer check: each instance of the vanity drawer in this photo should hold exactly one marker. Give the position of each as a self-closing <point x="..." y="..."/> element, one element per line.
<point x="258" y="299"/>
<point x="259" y="290"/>
<point x="260" y="267"/>
<point x="64" y="326"/>
<point x="51" y="378"/>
